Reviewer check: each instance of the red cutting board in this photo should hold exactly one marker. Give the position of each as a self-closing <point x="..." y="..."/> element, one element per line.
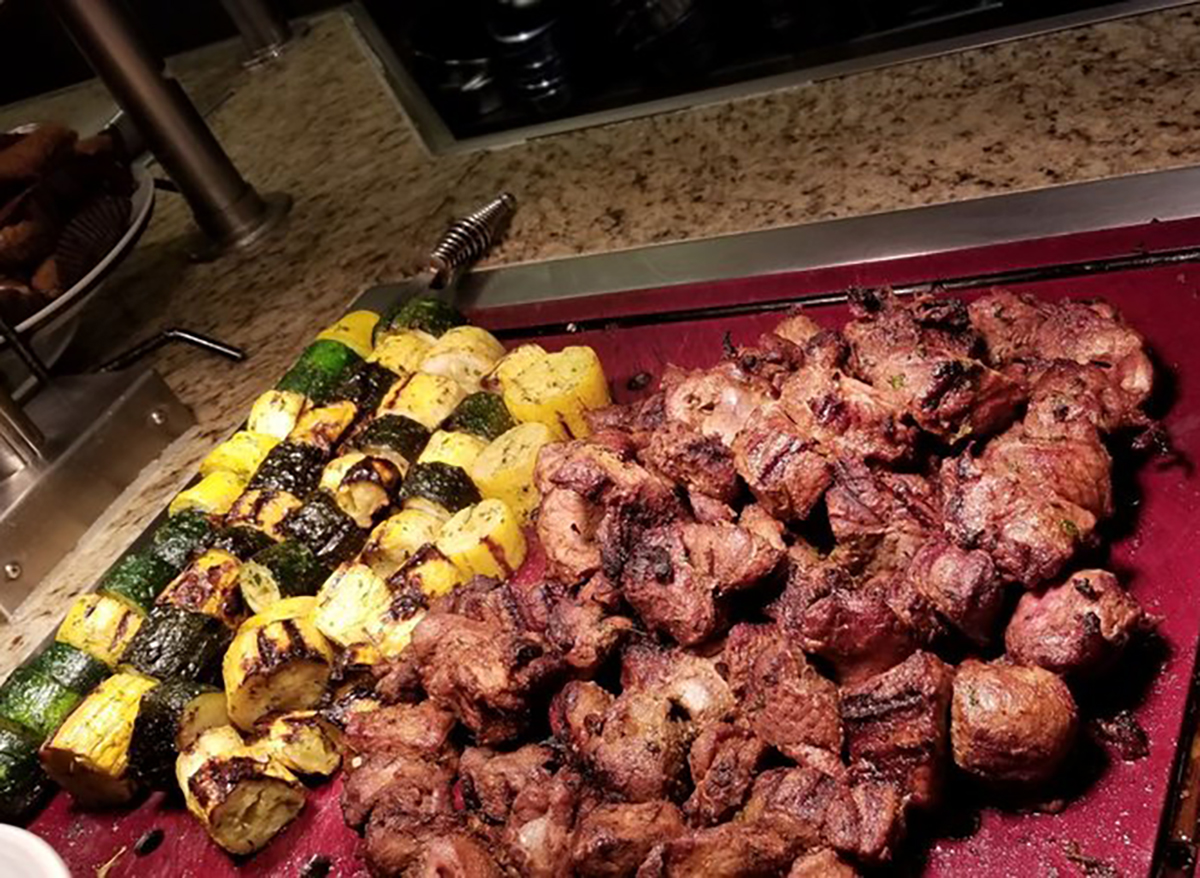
<point x="1115" y="821"/>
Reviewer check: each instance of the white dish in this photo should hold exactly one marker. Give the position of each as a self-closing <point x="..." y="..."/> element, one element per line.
<point x="25" y="855"/>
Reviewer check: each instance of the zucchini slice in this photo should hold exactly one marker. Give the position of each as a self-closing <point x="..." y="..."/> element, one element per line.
<point x="242" y="797"/>
<point x="212" y="495"/>
<point x="484" y="540"/>
<point x="304" y="742"/>
<point x="426" y="399"/>
<point x="263" y="509"/>
<point x="292" y="467"/>
<point x="70" y="667"/>
<point x="324" y="425"/>
<point x="240" y="454"/>
<point x="355" y="331"/>
<point x="366" y="385"/>
<point x="401" y="440"/>
<point x="99" y="625"/>
<point x="329" y="533"/>
<point x="319" y="369"/>
<point x="23" y="784"/>
<point x="362" y="486"/>
<point x="439" y="489"/>
<point x="557" y="391"/>
<point x="137" y="579"/>
<point x="482" y="414"/>
<point x="275" y="413"/>
<point x="209" y="585"/>
<point x="170" y="719"/>
<point x="287" y="569"/>
<point x="348" y="600"/>
<point x="242" y="541"/>
<point x="179" y="538"/>
<point x="504" y="470"/>
<point x="397" y="539"/>
<point x="424" y="313"/>
<point x="89" y="754"/>
<point x="429" y="573"/>
<point x="34" y="701"/>
<point x="175" y="643"/>
<point x="278" y="664"/>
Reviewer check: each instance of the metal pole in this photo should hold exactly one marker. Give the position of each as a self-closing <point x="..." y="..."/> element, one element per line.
<point x="227" y="208"/>
<point x="263" y="28"/>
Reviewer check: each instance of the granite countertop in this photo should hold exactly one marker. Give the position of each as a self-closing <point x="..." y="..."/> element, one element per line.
<point x="1084" y="104"/>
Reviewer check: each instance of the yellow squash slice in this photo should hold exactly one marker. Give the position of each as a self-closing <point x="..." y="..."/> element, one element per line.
<point x="426" y="399"/>
<point x="275" y="413"/>
<point x="402" y="352"/>
<point x="397" y="539"/>
<point x="484" y="540"/>
<point x="212" y="495"/>
<point x="557" y="390"/>
<point x="348" y="601"/>
<point x="504" y="470"/>
<point x="241" y="454"/>
<point x="209" y="585"/>
<point x="101" y="626"/>
<point x="354" y="331"/>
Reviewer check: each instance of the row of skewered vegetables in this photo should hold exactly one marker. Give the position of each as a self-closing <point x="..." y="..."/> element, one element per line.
<point x="393" y="462"/>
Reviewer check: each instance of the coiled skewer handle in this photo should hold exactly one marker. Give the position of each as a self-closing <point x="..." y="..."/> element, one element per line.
<point x="470" y="237"/>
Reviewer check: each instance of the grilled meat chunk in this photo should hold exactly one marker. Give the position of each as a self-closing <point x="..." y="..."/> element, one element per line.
<point x="825" y="806"/>
<point x="537" y="838"/>
<point x="611" y="841"/>
<point x="1017" y="326"/>
<point x="478" y="659"/>
<point x="636" y="743"/>
<point x="456" y="855"/>
<point x="1076" y="629"/>
<point x="715" y="402"/>
<point x="723" y="761"/>
<point x="1011" y="724"/>
<point x="852" y="626"/>
<point x="785" y="468"/>
<point x="849" y="418"/>
<point x="920" y="355"/>
<point x="1029" y="503"/>
<point x="701" y="462"/>
<point x="786" y="702"/>
<point x="738" y="849"/>
<point x="899" y="722"/>
<point x="677" y="577"/>
<point x="489" y="781"/>
<point x="957" y="586"/>
<point x="566" y="528"/>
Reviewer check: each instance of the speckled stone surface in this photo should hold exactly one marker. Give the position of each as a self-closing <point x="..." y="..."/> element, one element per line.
<point x="1094" y="102"/>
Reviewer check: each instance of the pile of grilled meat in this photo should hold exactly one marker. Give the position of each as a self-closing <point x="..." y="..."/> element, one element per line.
<point x="785" y="599"/>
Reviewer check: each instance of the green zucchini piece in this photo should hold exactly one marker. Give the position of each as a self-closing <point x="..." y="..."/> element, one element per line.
<point x="242" y="541"/>
<point x="285" y="570"/>
<point x="293" y="467"/>
<point x="442" y="483"/>
<point x="319" y="369"/>
<point x="174" y="643"/>
<point x="394" y="433"/>
<point x="425" y="313"/>
<point x="182" y="537"/>
<point x="23" y="783"/>
<point x="34" y="701"/>
<point x="366" y="385"/>
<point x="329" y="533"/>
<point x="70" y="667"/>
<point x="482" y="414"/>
<point x="170" y="717"/>
<point x="138" y="579"/>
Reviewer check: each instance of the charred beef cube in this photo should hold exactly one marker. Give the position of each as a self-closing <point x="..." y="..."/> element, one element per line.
<point x="899" y="722"/>
<point x="1076" y="629"/>
<point x="738" y="849"/>
<point x="785" y="469"/>
<point x="489" y="781"/>
<point x="822" y="864"/>
<point x="787" y="703"/>
<point x="723" y="760"/>
<point x="611" y="841"/>
<point x="700" y="462"/>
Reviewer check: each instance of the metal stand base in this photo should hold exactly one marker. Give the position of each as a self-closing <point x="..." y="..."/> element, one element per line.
<point x="201" y="248"/>
<point x="275" y="51"/>
<point x="101" y="431"/>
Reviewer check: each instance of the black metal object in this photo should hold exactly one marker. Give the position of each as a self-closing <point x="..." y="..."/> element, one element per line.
<point x="470" y="237"/>
<point x="227" y="209"/>
<point x="186" y="336"/>
<point x="264" y="28"/>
